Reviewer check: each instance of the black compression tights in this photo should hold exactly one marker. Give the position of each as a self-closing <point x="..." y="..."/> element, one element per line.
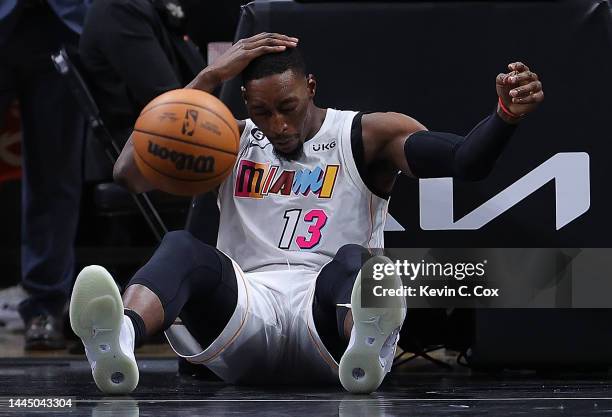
<point x="192" y="279"/>
<point x="198" y="282"/>
<point x="334" y="286"/>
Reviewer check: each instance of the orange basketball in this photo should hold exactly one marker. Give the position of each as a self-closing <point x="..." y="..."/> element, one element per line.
<point x="185" y="142"/>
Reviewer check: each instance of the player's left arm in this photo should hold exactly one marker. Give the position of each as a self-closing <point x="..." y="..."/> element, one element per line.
<point x="409" y="147"/>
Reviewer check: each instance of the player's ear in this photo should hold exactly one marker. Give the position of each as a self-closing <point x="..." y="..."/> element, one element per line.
<point x="243" y="91"/>
<point x="311" y="85"/>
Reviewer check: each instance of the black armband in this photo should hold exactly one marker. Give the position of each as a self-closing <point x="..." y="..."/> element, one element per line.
<point x="439" y="154"/>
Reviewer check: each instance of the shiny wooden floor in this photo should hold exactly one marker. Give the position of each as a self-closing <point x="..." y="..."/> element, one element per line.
<point x="418" y="389"/>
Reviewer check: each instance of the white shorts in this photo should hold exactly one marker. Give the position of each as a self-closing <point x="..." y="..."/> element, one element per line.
<point x="270" y="338"/>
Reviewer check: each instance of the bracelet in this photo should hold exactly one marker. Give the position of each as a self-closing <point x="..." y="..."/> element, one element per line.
<point x="508" y="112"/>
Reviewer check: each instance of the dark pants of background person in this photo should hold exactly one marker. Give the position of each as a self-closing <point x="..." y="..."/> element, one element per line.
<point x="53" y="133"/>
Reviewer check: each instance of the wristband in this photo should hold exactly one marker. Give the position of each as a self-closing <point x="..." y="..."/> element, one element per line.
<point x="506" y="111"/>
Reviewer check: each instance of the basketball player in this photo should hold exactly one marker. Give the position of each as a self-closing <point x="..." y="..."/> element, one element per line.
<point x="306" y="199"/>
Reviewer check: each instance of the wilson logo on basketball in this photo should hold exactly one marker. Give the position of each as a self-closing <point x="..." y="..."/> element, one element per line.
<point x="189" y="122"/>
<point x="183" y="161"/>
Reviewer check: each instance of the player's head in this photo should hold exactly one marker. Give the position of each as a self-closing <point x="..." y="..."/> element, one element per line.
<point x="278" y="95"/>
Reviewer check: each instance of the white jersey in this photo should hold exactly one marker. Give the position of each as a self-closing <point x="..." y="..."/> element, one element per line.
<point x="277" y="214"/>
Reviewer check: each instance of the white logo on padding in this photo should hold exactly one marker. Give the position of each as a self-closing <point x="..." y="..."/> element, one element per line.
<point x="570" y="170"/>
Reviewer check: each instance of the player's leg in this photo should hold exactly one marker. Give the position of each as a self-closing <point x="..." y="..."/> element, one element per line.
<point x="332" y="298"/>
<point x="184" y="276"/>
<point x="374" y="332"/>
<point x="374" y="336"/>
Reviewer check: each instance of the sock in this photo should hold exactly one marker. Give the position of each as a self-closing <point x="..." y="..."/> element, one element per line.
<point x="140" y="332"/>
<point x="341" y="312"/>
<point x="341" y="300"/>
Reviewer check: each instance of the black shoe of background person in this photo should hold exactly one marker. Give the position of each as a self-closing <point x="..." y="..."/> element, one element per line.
<point x="44" y="332"/>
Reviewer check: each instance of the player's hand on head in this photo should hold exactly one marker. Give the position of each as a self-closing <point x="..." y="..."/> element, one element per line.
<point x="520" y="90"/>
<point x="240" y="54"/>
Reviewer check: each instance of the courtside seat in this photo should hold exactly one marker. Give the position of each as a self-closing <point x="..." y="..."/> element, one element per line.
<point x="109" y="199"/>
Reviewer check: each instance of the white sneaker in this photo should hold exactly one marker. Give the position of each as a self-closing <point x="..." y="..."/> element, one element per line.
<point x="369" y="355"/>
<point x="96" y="316"/>
<point x="9" y="302"/>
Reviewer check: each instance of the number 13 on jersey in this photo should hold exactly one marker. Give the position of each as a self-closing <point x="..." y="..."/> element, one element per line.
<point x="317" y="220"/>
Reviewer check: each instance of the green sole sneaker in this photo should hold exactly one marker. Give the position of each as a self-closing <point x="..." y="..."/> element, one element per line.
<point x="371" y="350"/>
<point x="96" y="316"/>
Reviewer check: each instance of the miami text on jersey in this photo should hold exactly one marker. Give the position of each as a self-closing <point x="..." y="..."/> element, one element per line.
<point x="257" y="180"/>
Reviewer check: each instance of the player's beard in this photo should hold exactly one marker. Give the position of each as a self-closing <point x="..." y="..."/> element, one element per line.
<point x="294" y="155"/>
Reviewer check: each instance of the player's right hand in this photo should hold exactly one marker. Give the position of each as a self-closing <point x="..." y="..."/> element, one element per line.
<point x="235" y="59"/>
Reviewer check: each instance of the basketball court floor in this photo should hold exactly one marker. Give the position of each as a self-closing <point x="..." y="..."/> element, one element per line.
<point x="418" y="388"/>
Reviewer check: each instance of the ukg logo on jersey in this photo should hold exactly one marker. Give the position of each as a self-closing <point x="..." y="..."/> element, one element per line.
<point x="257" y="180"/>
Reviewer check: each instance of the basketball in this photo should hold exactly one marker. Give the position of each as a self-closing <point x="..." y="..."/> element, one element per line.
<point x="185" y="142"/>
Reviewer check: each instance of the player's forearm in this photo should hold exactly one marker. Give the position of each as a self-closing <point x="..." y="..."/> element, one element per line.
<point x="127" y="174"/>
<point x="438" y="154"/>
<point x="207" y="80"/>
<point x="477" y="154"/>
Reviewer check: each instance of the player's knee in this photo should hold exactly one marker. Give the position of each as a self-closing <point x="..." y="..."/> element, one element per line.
<point x="351" y="256"/>
<point x="351" y="248"/>
<point x="184" y="242"/>
<point x="180" y="237"/>
<point x="182" y="247"/>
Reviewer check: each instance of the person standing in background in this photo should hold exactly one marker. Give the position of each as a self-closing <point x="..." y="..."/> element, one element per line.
<point x="53" y="133"/>
<point x="132" y="51"/>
